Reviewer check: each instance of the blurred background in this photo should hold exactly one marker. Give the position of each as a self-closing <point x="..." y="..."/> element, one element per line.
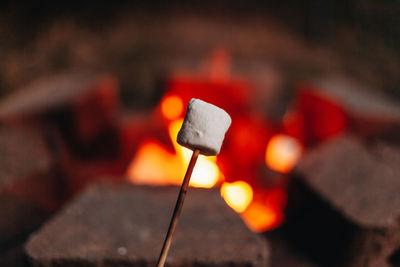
<point x="99" y="91"/>
<point x="303" y="37"/>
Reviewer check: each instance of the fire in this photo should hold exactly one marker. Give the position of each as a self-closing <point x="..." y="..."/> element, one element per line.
<point x="260" y="207"/>
<point x="282" y="153"/>
<point x="154" y="164"/>
<point x="260" y="211"/>
<point x="172" y="107"/>
<point x="259" y="217"/>
<point x="237" y="195"/>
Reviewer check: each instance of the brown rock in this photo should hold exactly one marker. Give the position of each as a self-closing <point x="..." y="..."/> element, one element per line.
<point x="125" y="225"/>
<point x="345" y="198"/>
<point x="355" y="181"/>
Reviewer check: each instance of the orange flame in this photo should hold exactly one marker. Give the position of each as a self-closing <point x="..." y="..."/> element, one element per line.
<point x="259" y="214"/>
<point x="156" y="165"/>
<point x="172" y="107"/>
<point x="153" y="164"/>
<point x="266" y="211"/>
<point x="238" y="195"/>
<point x="282" y="153"/>
<point x="259" y="217"/>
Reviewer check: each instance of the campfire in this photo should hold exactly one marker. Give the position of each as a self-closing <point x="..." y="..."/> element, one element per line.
<point x="306" y="176"/>
<point x="155" y="163"/>
<point x="254" y="171"/>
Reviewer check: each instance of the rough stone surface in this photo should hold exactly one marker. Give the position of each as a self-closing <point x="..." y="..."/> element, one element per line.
<point x="344" y="202"/>
<point x="388" y="153"/>
<point x="358" y="183"/>
<point x="122" y="225"/>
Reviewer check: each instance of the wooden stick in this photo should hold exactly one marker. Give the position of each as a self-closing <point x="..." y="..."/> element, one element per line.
<point x="177" y="210"/>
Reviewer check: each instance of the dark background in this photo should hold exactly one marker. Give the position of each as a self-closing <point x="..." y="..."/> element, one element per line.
<point x="141" y="42"/>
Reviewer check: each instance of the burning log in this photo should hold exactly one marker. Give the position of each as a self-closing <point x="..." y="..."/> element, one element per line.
<point x="122" y="224"/>
<point x="29" y="188"/>
<point x="344" y="204"/>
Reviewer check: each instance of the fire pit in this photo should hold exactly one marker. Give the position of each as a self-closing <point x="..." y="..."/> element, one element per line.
<point x="309" y="165"/>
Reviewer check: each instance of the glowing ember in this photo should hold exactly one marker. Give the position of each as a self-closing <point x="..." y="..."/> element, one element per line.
<point x="205" y="174"/>
<point x="282" y="153"/>
<point x="153" y="164"/>
<point x="259" y="217"/>
<point x="238" y="195"/>
<point x="261" y="208"/>
<point x="172" y="107"/>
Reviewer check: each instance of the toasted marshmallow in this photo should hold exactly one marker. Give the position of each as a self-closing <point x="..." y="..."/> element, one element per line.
<point x="204" y="127"/>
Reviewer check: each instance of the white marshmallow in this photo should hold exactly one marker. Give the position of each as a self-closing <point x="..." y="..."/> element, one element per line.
<point x="204" y="127"/>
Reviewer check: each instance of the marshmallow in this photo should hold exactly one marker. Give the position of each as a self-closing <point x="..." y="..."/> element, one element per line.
<point x="204" y="127"/>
